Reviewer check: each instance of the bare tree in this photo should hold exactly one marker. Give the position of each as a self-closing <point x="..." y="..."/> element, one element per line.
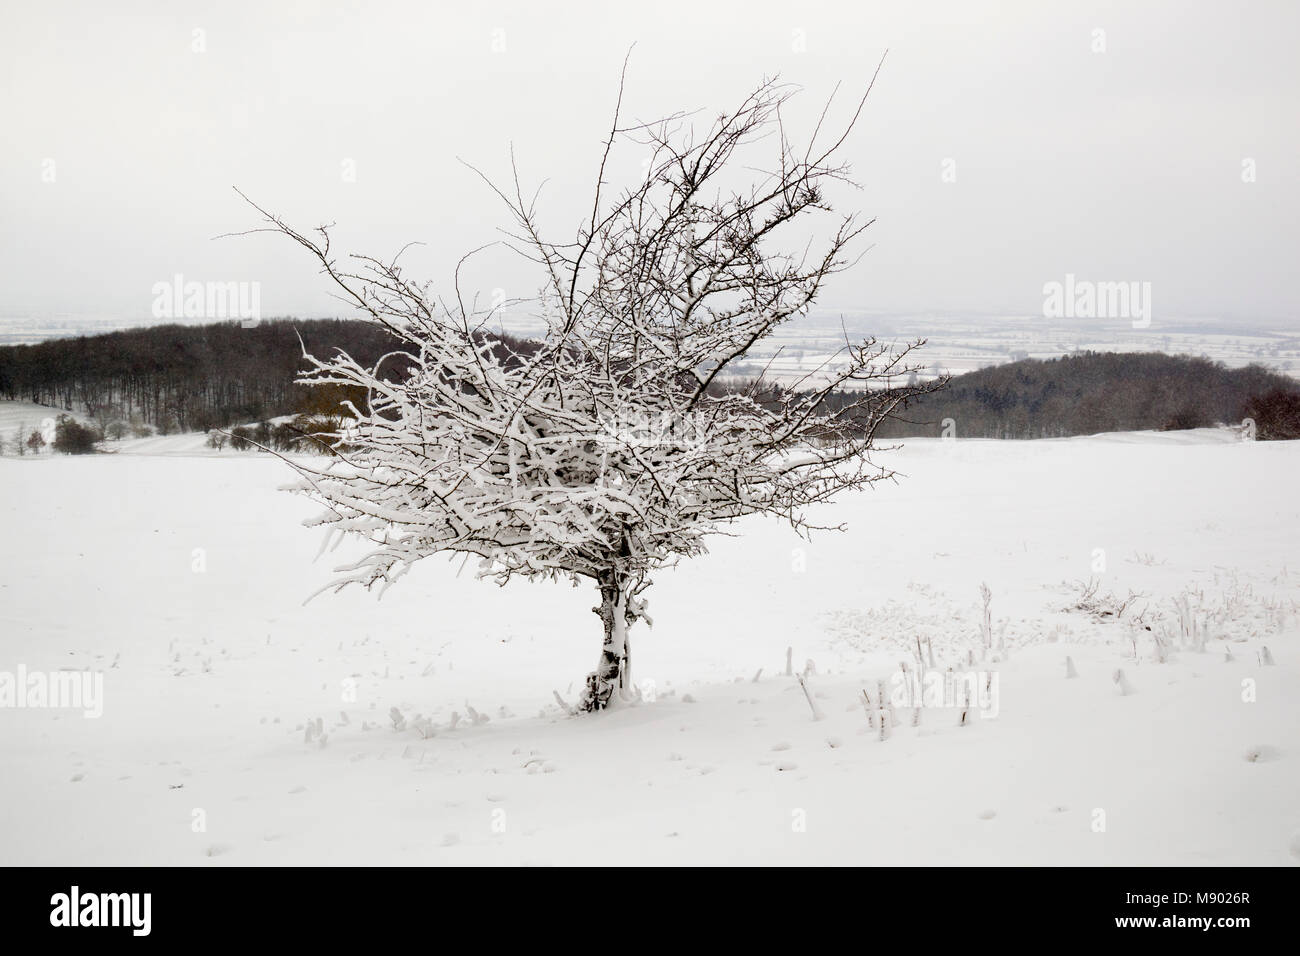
<point x="619" y="443"/>
<point x="103" y="414"/>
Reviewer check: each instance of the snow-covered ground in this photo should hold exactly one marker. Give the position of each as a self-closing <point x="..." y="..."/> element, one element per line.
<point x="27" y="417"/>
<point x="180" y="574"/>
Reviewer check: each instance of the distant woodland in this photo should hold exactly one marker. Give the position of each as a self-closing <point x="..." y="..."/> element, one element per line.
<point x="173" y="378"/>
<point x="186" y="377"/>
<point x="1093" y="392"/>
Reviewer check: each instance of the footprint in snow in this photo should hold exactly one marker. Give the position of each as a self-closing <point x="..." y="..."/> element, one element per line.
<point x="988" y="814"/>
<point x="1262" y="753"/>
<point x="451" y="839"/>
<point x="783" y="745"/>
<point x="299" y="789"/>
<point x="786" y="765"/>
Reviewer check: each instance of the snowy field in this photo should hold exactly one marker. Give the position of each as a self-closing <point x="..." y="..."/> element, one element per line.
<point x="240" y="727"/>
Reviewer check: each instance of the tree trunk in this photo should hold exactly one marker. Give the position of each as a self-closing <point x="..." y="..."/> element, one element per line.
<point x="611" y="681"/>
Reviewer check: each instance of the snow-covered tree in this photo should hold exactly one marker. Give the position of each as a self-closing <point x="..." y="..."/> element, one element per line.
<point x="617" y="443"/>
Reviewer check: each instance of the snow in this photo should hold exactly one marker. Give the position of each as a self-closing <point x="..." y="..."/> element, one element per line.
<point x="28" y="417"/>
<point x="180" y="573"/>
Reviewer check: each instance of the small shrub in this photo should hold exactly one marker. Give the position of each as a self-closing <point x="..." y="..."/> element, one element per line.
<point x="1276" y="414"/>
<point x="73" y="438"/>
<point x="1189" y="416"/>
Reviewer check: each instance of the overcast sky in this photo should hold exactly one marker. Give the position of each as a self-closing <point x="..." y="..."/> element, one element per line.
<point x="1125" y="164"/>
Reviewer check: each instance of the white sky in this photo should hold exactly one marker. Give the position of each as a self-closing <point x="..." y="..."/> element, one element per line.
<point x="1122" y="165"/>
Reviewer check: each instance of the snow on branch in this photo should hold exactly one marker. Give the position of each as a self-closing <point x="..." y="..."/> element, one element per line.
<point x="613" y="445"/>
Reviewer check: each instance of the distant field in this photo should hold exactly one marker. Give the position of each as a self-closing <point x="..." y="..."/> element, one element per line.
<point x="955" y="343"/>
<point x="964" y="343"/>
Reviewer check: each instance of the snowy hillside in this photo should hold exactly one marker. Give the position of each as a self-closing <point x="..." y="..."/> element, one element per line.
<point x="26" y="416"/>
<point x="180" y="573"/>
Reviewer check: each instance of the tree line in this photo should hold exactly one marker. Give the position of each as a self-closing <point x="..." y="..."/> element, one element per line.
<point x="1092" y="392"/>
<point x="186" y="378"/>
<point x="172" y="378"/>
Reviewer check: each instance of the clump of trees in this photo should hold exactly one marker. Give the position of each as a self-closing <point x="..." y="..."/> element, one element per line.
<point x="1088" y="393"/>
<point x="70" y="437"/>
<point x="16" y="444"/>
<point x="181" y="377"/>
<point x="73" y="438"/>
<point x="301" y="434"/>
<point x="1276" y="414"/>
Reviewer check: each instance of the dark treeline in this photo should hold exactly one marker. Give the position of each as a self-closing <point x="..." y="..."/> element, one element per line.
<point x="202" y="377"/>
<point x="1094" y="392"/>
<point x="187" y="377"/>
<point x="182" y="377"/>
